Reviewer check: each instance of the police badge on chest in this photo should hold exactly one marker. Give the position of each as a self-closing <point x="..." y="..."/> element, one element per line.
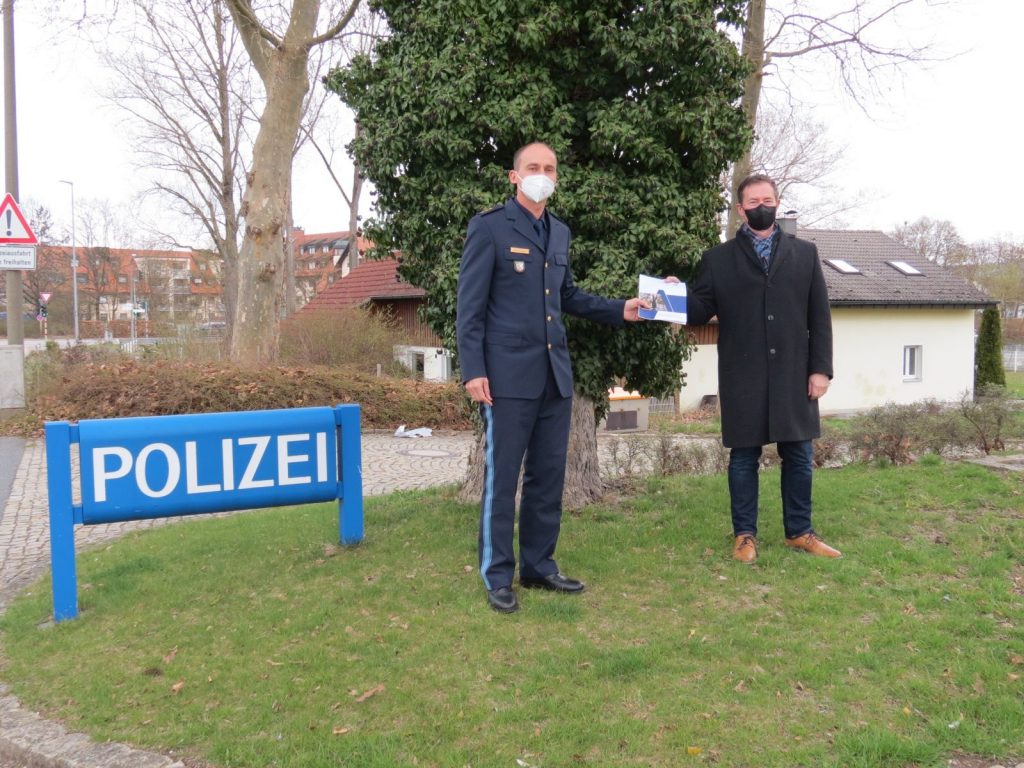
<point x="519" y="266"/>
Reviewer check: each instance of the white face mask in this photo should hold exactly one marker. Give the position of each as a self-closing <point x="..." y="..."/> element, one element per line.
<point x="537" y="187"/>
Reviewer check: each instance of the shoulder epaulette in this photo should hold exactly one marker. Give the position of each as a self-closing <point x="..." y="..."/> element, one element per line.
<point x="486" y="211"/>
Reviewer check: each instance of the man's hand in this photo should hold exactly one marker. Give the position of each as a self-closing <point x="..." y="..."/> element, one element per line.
<point x="480" y="390"/>
<point x="631" y="312"/>
<point x="817" y="385"/>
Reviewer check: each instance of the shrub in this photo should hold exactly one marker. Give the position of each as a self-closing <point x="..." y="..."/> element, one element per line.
<point x="887" y="432"/>
<point x="988" y="351"/>
<point x="352" y="337"/>
<point x="828" y="447"/>
<point x="64" y="389"/>
<point x="986" y="415"/>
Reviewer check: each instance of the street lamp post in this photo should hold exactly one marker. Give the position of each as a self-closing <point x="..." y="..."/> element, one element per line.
<point x="74" y="258"/>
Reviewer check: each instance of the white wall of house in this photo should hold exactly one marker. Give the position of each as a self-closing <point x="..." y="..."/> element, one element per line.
<point x="701" y="376"/>
<point x="869" y="351"/>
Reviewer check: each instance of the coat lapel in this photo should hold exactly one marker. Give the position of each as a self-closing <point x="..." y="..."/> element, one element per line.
<point x="522" y="223"/>
<point x="558" y="237"/>
<point x="747" y="249"/>
<point x="782" y="252"/>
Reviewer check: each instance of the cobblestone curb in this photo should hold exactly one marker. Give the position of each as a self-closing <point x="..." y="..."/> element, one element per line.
<point x="27" y="738"/>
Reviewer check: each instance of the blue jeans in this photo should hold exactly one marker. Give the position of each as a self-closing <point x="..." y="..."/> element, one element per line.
<point x="796" y="487"/>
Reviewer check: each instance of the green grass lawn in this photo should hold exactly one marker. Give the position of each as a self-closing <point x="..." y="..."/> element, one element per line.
<point x="1015" y="384"/>
<point x="254" y="640"/>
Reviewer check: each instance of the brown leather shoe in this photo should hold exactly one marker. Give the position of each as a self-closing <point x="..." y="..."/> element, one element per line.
<point x="811" y="542"/>
<point x="745" y="548"/>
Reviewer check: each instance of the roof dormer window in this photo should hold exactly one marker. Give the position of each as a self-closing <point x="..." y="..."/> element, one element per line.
<point x="905" y="268"/>
<point x="843" y="266"/>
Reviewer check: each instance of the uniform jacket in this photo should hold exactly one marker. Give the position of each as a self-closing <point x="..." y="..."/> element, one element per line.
<point x="774" y="331"/>
<point x="511" y="297"/>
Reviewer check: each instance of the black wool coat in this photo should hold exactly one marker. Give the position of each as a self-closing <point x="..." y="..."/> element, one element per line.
<point x="775" y="330"/>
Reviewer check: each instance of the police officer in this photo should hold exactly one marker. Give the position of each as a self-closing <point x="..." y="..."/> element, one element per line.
<point x="514" y="284"/>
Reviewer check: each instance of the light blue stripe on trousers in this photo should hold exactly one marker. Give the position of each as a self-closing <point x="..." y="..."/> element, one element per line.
<point x="487" y="509"/>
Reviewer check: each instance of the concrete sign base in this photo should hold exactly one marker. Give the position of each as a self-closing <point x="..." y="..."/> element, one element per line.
<point x="12" y="376"/>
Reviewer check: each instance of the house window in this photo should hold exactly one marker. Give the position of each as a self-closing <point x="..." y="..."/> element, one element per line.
<point x="911" y="363"/>
<point x="122" y="279"/>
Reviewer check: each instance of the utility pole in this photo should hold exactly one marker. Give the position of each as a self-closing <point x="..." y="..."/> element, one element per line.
<point x="15" y="306"/>
<point x="133" y="335"/>
<point x="74" y="258"/>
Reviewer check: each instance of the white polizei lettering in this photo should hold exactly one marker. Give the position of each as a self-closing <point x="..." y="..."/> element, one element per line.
<point x="248" y="477"/>
<point x="284" y="459"/>
<point x="173" y="470"/>
<point x="99" y="482"/>
<point x="321" y="457"/>
<point x="228" y="457"/>
<point x="192" y="472"/>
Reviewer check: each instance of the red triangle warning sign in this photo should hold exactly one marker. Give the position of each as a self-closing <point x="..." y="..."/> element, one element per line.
<point x="14" y="229"/>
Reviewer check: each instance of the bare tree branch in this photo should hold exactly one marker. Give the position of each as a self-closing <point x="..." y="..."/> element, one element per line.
<point x="334" y="30"/>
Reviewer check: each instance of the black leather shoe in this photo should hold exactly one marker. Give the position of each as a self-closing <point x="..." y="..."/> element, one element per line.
<point x="503" y="600"/>
<point x="556" y="582"/>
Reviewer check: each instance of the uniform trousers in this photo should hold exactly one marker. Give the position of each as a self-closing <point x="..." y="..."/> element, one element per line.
<point x="537" y="428"/>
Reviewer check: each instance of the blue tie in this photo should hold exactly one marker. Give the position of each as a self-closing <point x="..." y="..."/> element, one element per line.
<point x="542" y="233"/>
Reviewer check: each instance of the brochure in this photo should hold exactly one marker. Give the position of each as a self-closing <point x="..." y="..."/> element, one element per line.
<point x="667" y="300"/>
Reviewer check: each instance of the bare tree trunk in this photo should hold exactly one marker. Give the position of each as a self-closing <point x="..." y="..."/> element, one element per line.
<point x="353" y="210"/>
<point x="753" y="52"/>
<point x="255" y="327"/>
<point x="582" y="473"/>
<point x="289" y="262"/>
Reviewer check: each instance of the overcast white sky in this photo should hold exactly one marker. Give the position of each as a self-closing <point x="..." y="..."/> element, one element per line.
<point x="945" y="144"/>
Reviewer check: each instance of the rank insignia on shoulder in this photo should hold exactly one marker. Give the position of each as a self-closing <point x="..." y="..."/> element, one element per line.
<point x="519" y="266"/>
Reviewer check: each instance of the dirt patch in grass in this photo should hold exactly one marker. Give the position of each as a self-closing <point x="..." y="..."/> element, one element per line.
<point x="1017" y="579"/>
<point x="974" y="761"/>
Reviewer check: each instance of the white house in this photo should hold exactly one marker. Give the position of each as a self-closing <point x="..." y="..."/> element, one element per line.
<point x="902" y="326"/>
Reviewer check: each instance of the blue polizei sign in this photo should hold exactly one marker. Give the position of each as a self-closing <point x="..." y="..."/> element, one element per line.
<point x="206" y="463"/>
<point x="165" y="466"/>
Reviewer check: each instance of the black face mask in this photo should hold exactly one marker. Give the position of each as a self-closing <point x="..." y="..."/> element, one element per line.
<point x="760" y="218"/>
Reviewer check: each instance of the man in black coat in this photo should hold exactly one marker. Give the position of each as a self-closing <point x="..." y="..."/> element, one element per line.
<point x="514" y="284"/>
<point x="774" y="360"/>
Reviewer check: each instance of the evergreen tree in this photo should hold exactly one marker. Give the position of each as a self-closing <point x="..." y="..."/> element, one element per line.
<point x="638" y="99"/>
<point x="988" y="351"/>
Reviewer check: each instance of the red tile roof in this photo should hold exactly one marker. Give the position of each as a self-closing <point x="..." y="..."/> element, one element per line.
<point x="371" y="280"/>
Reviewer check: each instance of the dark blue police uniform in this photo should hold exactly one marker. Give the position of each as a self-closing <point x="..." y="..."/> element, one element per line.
<point x="514" y="284"/>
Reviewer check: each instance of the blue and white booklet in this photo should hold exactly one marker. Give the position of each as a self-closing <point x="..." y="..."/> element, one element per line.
<point x="667" y="300"/>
